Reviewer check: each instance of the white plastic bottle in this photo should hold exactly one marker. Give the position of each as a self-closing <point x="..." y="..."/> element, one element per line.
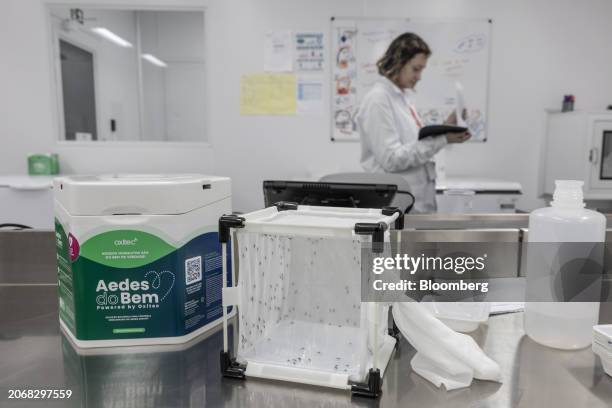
<point x="563" y="325"/>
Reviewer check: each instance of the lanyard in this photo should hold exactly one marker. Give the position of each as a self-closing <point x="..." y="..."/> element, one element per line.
<point x="415" y="116"/>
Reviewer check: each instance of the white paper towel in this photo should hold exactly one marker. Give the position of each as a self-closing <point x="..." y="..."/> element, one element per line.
<point x="443" y="355"/>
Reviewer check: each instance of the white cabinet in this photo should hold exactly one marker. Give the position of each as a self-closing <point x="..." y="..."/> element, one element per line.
<point x="27" y="201"/>
<point x="578" y="146"/>
<point x="477" y="195"/>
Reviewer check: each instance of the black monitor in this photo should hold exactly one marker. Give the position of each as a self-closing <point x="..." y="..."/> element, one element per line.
<point x="330" y="194"/>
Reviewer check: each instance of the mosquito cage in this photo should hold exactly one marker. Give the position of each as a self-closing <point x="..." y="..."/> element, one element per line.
<point x="300" y="314"/>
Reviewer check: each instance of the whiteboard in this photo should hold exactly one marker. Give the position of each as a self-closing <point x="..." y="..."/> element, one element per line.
<point x="460" y="54"/>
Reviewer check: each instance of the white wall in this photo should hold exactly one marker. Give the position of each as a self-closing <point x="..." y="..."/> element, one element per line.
<point x="541" y="50"/>
<point x="253" y="148"/>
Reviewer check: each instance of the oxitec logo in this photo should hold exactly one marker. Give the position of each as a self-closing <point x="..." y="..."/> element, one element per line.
<point x="126" y="242"/>
<point x="135" y="294"/>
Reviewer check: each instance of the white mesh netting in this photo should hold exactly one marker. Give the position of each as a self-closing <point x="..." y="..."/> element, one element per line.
<point x="300" y="303"/>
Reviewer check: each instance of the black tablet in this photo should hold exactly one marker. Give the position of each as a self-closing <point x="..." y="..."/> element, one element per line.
<point x="439" y="130"/>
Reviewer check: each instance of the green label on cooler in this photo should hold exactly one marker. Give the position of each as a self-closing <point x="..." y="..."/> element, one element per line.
<point x="132" y="284"/>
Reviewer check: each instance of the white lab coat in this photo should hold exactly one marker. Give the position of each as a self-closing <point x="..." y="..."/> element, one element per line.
<point x="389" y="141"/>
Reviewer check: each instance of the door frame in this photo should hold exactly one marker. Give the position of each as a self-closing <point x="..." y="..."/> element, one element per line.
<point x="60" y="93"/>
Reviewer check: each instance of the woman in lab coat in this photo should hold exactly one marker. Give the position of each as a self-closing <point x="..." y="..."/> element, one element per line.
<point x="389" y="124"/>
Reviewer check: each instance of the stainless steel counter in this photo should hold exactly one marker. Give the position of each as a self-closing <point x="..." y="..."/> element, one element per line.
<point x="34" y="354"/>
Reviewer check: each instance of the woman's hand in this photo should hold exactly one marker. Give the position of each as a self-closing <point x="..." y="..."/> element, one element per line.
<point x="452" y="118"/>
<point x="458" y="137"/>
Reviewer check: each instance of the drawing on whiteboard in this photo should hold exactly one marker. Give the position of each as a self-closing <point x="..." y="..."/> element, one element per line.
<point x="380" y="36"/>
<point x="471" y="43"/>
<point x="344" y="122"/>
<point x="430" y="116"/>
<point x="455" y="67"/>
<point x="346" y="34"/>
<point x="476" y="122"/>
<point x="343" y="100"/>
<point x="378" y="41"/>
<point x="345" y="82"/>
<point x="344" y="57"/>
<point x="343" y="85"/>
<point x="369" y="68"/>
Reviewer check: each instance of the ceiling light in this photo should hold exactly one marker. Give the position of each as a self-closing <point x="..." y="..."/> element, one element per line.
<point x="112" y="37"/>
<point x="154" y="60"/>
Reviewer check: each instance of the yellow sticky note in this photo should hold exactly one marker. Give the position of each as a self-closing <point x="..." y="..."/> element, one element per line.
<point x="268" y="94"/>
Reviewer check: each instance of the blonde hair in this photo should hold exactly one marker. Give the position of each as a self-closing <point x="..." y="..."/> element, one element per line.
<point x="400" y="51"/>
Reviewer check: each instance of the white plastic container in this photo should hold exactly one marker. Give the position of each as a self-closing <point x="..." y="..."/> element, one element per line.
<point x="463" y="317"/>
<point x="27" y="200"/>
<point x="555" y="324"/>
<point x="602" y="345"/>
<point x="139" y="259"/>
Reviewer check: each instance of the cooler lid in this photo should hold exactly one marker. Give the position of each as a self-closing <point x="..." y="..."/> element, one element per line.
<point x="153" y="194"/>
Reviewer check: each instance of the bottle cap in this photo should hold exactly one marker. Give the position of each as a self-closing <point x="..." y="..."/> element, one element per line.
<point x="568" y="194"/>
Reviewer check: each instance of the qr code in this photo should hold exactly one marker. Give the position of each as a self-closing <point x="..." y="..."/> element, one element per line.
<point x="193" y="270"/>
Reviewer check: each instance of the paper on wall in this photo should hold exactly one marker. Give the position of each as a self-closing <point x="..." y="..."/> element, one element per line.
<point x="277" y="52"/>
<point x="309" y="95"/>
<point x="344" y="85"/>
<point x="460" y="107"/>
<point x="268" y="94"/>
<point x="309" y="52"/>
